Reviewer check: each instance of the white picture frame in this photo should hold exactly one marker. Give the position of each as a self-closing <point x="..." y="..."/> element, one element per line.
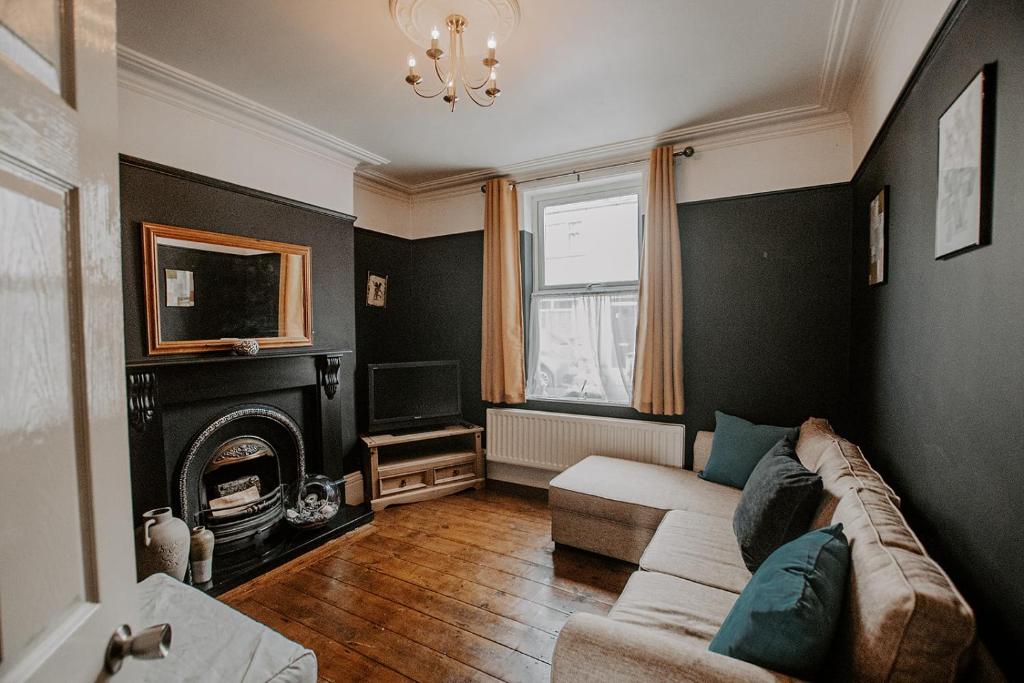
<point x="878" y="223"/>
<point x="960" y="206"/>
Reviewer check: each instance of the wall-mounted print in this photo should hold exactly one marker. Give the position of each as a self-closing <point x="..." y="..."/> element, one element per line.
<point x="964" y="197"/>
<point x="181" y="290"/>
<point x="879" y="232"/>
<point x="376" y="290"/>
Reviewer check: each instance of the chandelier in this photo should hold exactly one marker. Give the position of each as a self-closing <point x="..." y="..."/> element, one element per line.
<point x="455" y="73"/>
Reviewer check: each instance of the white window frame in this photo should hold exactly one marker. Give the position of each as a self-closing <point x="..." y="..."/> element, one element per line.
<point x="631" y="183"/>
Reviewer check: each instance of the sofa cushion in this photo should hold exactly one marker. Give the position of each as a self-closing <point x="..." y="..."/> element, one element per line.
<point x="698" y="547"/>
<point x="737" y="447"/>
<point x="786" y="616"/>
<point x="684" y="608"/>
<point x="599" y="535"/>
<point x="904" y="620"/>
<point x="636" y="493"/>
<point x="840" y="463"/>
<point x="776" y="505"/>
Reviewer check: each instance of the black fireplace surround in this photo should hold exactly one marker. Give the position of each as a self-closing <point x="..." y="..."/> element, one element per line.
<point x="203" y="425"/>
<point x="184" y="413"/>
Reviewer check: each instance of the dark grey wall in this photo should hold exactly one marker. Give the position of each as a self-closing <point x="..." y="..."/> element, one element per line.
<point x="766" y="292"/>
<point x="159" y="194"/>
<point x="938" y="351"/>
<point x="186" y="200"/>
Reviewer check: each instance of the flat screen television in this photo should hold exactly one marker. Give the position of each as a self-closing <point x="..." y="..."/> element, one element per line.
<point x="414" y="395"/>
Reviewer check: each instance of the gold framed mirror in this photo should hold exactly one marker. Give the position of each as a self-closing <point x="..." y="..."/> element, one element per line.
<point x="206" y="290"/>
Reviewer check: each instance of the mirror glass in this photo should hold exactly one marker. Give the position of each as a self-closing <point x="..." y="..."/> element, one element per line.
<point x="207" y="289"/>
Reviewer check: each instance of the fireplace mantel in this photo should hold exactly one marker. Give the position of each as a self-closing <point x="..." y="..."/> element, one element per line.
<point x="159" y="386"/>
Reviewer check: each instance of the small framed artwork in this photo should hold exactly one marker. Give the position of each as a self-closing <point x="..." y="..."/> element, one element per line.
<point x="181" y="289"/>
<point x="963" y="203"/>
<point x="879" y="233"/>
<point x="376" y="290"/>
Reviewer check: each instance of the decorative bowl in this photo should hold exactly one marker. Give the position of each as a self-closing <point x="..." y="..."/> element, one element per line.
<point x="312" y="502"/>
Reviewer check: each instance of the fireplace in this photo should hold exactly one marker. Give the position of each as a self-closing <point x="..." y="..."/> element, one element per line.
<point x="220" y="439"/>
<point x="236" y="471"/>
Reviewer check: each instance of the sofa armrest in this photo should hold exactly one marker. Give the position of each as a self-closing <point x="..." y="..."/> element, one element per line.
<point x="595" y="648"/>
<point x="702" y="450"/>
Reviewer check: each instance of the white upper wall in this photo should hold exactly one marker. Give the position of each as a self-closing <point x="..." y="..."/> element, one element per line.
<point x="903" y="31"/>
<point x="159" y="131"/>
<point x="172" y="117"/>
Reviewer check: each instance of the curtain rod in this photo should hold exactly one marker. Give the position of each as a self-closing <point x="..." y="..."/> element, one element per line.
<point x="685" y="152"/>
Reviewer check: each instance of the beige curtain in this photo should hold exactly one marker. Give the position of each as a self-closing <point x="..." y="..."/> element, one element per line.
<point x="502" y="374"/>
<point x="658" y="375"/>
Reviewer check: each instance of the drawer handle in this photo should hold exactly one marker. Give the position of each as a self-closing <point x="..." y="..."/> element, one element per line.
<point x="401" y="484"/>
<point x="455" y="472"/>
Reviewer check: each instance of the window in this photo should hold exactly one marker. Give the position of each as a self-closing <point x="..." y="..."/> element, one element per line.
<point x="583" y="310"/>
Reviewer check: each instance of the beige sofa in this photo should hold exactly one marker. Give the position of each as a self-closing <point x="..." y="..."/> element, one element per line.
<point x="903" y="619"/>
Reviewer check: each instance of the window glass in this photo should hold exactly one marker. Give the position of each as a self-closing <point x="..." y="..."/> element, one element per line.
<point x="593" y="241"/>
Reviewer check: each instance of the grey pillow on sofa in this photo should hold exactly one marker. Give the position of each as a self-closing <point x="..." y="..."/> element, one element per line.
<point x="777" y="504"/>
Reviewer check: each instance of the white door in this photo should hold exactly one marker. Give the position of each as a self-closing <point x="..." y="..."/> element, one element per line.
<point x="66" y="548"/>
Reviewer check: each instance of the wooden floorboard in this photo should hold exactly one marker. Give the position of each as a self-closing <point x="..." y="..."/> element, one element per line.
<point x="464" y="588"/>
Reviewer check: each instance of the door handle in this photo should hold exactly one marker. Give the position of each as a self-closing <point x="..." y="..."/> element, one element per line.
<point x="151" y="643"/>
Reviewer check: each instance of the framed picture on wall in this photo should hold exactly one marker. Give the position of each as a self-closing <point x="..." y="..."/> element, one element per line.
<point x="376" y="290"/>
<point x="963" y="203"/>
<point x="878" y="234"/>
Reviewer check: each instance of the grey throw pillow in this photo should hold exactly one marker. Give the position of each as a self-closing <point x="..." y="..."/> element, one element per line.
<point x="777" y="504"/>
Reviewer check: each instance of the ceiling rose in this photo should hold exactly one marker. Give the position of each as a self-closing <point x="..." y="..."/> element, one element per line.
<point x="417" y="18"/>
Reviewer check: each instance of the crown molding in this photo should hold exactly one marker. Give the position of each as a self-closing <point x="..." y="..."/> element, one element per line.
<point x="730" y="132"/>
<point x="704" y="138"/>
<point x="369" y="183"/>
<point x="879" y="36"/>
<point x="148" y="76"/>
<point x="833" y="65"/>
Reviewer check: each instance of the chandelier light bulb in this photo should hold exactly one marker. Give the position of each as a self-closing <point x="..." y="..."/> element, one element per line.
<point x="412" y="62"/>
<point x="492" y="42"/>
<point x="434" y="33"/>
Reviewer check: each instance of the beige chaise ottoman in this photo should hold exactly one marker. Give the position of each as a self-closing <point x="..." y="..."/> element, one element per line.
<point x="613" y="506"/>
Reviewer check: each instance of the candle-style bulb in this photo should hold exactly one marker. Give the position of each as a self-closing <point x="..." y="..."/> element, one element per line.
<point x="494" y="74"/>
<point x="434" y="33"/>
<point x="492" y="42"/>
<point x="412" y="61"/>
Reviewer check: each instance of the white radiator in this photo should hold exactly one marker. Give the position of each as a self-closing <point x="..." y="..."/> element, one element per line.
<point x="556" y="441"/>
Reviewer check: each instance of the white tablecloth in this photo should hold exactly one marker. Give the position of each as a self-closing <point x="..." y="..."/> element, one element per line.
<point x="213" y="642"/>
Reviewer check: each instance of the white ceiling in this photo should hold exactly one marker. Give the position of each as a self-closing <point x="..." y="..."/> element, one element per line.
<point x="577" y="74"/>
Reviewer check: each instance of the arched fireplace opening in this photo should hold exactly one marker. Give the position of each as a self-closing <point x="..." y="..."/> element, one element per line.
<point x="235" y="473"/>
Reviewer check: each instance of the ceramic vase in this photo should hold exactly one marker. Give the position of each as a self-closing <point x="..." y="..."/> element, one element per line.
<point x="201" y="555"/>
<point x="161" y="544"/>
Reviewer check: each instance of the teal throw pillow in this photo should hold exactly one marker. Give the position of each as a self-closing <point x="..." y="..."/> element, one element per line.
<point x="738" y="446"/>
<point x="785" y="618"/>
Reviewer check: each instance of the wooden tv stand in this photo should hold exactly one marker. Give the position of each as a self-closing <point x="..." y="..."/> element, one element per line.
<point x="405" y="468"/>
